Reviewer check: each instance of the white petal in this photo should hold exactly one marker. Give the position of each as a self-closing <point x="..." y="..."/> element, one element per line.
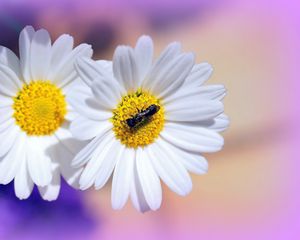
<point x="71" y="113"/>
<point x="149" y="179"/>
<point x="7" y="124"/>
<point x="8" y="139"/>
<point x="9" y="83"/>
<point x="107" y="92"/>
<point x="60" y="49"/>
<point x="169" y="169"/>
<point x="174" y="74"/>
<point x="188" y="110"/>
<point x="9" y="59"/>
<point x="89" y="69"/>
<point x="122" y="179"/>
<point x="23" y="184"/>
<point x="107" y="65"/>
<point x="67" y="89"/>
<point x="10" y="163"/>
<point x="66" y="73"/>
<point x="90" y="171"/>
<point x="100" y="112"/>
<point x="218" y="124"/>
<point x="136" y="193"/>
<point x="51" y="191"/>
<point x="212" y="91"/>
<point x="6" y="113"/>
<point x="193" y="162"/>
<point x="5" y="101"/>
<point x="106" y="168"/>
<point x="64" y="157"/>
<point x="125" y="67"/>
<point x="84" y="129"/>
<point x="25" y="39"/>
<point x="100" y="73"/>
<point x="221" y="97"/>
<point x="77" y="95"/>
<point x="143" y="53"/>
<point x="85" y="154"/>
<point x="209" y="92"/>
<point x="40" y="55"/>
<point x="192" y="138"/>
<point x="82" y="100"/>
<point x="62" y="150"/>
<point x="168" y="78"/>
<point x="199" y="74"/>
<point x="64" y="136"/>
<point x="170" y="52"/>
<point x="11" y="74"/>
<point x="39" y="163"/>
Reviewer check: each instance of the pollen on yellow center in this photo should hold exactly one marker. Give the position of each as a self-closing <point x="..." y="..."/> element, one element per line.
<point x="39" y="108"/>
<point x="144" y="133"/>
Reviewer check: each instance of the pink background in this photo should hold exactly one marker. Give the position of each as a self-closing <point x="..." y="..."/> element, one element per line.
<point x="251" y="191"/>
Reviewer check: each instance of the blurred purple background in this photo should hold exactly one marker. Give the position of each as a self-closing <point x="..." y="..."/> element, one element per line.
<point x="252" y="188"/>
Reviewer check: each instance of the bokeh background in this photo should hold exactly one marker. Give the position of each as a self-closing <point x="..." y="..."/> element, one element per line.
<point x="251" y="191"/>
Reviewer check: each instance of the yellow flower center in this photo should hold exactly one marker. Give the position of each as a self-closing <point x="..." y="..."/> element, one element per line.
<point x="146" y="129"/>
<point x="39" y="108"/>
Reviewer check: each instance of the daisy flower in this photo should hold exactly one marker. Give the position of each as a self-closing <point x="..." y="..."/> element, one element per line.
<point x="146" y="121"/>
<point x="36" y="145"/>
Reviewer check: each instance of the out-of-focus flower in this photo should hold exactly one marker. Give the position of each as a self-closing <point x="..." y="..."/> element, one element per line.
<point x="147" y="121"/>
<point x="36" y="145"/>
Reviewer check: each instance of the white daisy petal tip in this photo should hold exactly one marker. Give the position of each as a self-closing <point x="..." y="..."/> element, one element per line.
<point x="226" y="120"/>
<point x="79" y="65"/>
<point x="186" y="190"/>
<point x="83" y="186"/>
<point x="51" y="191"/>
<point x="49" y="196"/>
<point x="190" y="58"/>
<point x="23" y="184"/>
<point x="88" y="49"/>
<point x="206" y="66"/>
<point x="144" y="39"/>
<point x="75" y="163"/>
<point x="144" y="44"/>
<point x="144" y="56"/>
<point x="26" y="31"/>
<point x="199" y="75"/>
<point x="122" y="179"/>
<point x="209" y="71"/>
<point x="90" y="70"/>
<point x="125" y="67"/>
<point x="40" y="54"/>
<point x="28" y="28"/>
<point x="116" y="205"/>
<point x="175" y="46"/>
<point x="82" y="61"/>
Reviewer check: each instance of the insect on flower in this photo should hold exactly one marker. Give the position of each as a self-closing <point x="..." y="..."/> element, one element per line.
<point x="142" y="116"/>
<point x="150" y="122"/>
